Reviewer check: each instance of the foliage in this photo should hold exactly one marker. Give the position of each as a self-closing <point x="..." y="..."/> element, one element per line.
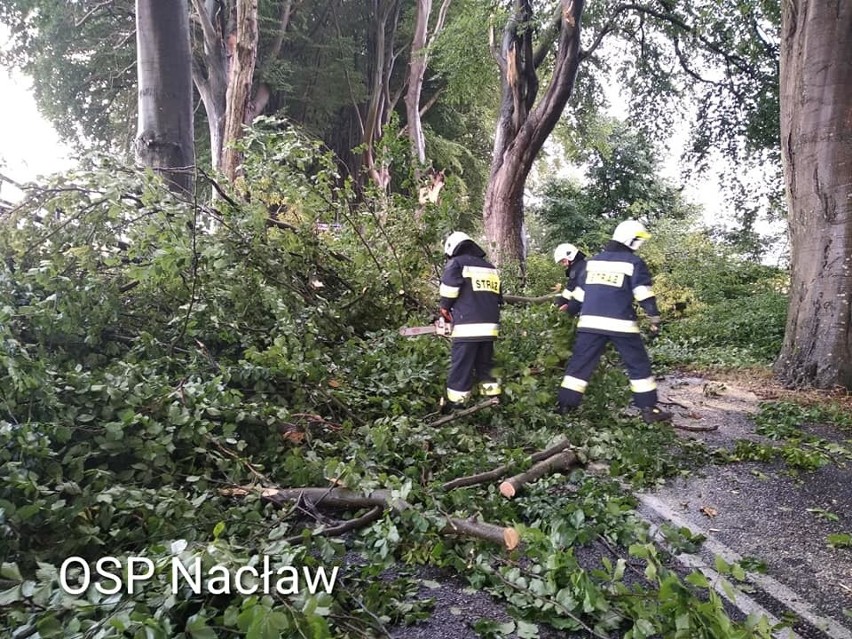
<point x="157" y="350"/>
<point x="784" y="422"/>
<point x="720" y="309"/>
<point x="621" y="181"/>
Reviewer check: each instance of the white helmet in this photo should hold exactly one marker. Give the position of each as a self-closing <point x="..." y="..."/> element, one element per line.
<point x="453" y="242"/>
<point x="565" y="251"/>
<point x="631" y="233"/>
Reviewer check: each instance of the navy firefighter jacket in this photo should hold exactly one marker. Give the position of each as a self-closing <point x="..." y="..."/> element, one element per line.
<point x="470" y="290"/>
<point x="604" y="297"/>
<point x="573" y="275"/>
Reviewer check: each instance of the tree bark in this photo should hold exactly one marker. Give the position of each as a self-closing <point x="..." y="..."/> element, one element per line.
<point x="562" y="461"/>
<point x="239" y="84"/>
<point x="344" y="499"/>
<point x="416" y="73"/>
<point x="385" y="18"/>
<point x="816" y="131"/>
<point x="521" y="128"/>
<point x="211" y="78"/>
<point x="164" y="139"/>
<point x="503" y="470"/>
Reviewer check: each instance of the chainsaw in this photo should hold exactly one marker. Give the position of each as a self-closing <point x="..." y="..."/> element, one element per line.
<point x="441" y="327"/>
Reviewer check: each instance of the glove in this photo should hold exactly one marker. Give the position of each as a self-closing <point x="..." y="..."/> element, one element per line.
<point x="655" y="326"/>
<point x="445" y="313"/>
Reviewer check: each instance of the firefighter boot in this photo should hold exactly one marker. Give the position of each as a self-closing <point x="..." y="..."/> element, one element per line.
<point x="564" y="409"/>
<point x="655" y="414"/>
<point x="448" y="407"/>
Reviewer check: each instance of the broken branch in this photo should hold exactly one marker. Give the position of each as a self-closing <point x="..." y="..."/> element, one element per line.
<point x="491" y="401"/>
<point x="562" y="461"/>
<point x="345" y="499"/>
<point x="501" y="471"/>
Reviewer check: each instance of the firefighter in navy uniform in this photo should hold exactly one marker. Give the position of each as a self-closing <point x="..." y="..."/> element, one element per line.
<point x="470" y="299"/>
<point x="574" y="261"/>
<point x="604" y="297"/>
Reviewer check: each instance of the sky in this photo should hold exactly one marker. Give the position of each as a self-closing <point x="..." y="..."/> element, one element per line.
<point x="29" y="145"/>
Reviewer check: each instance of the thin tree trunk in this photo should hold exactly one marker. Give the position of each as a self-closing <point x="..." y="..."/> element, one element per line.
<point x="239" y="84"/>
<point x="522" y="129"/>
<point x="164" y="139"/>
<point x="211" y="79"/>
<point x="816" y="132"/>
<point x="416" y="73"/>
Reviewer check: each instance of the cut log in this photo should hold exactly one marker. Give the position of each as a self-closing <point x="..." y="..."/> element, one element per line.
<point x="562" y="461"/>
<point x="506" y="537"/>
<point x="502" y="471"/>
<point x="345" y="499"/>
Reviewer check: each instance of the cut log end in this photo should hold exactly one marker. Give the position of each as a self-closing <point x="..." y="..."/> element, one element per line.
<point x="507" y="489"/>
<point x="511" y="538"/>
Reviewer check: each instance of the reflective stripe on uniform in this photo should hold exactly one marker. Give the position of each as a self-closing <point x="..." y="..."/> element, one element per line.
<point x="603" y="266"/>
<point x="478" y="271"/>
<point x="574" y="384"/>
<point x="642" y="293"/>
<point x="457" y="397"/>
<point x="566" y="294"/>
<point x="643" y="385"/>
<point x="475" y="330"/>
<point x="450" y="292"/>
<point x="608" y="324"/>
<point x="490" y="389"/>
<point x="579" y="294"/>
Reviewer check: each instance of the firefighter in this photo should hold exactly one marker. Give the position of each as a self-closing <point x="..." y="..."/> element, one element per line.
<point x="574" y="261"/>
<point x="470" y="300"/>
<point x="604" y="297"/>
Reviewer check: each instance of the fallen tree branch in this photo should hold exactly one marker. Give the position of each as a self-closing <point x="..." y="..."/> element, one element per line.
<point x="519" y="299"/>
<point x="503" y="470"/>
<point x="562" y="461"/>
<point x="345" y="499"/>
<point x="334" y="531"/>
<point x="491" y="401"/>
<point x="696" y="429"/>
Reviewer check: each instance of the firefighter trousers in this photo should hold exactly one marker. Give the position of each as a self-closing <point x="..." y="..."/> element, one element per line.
<point x="588" y="348"/>
<point x="469" y="360"/>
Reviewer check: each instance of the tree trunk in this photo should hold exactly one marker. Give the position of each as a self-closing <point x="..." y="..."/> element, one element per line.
<point x="384" y="15"/>
<point x="211" y="78"/>
<point x="164" y="139"/>
<point x="416" y="73"/>
<point x="239" y="84"/>
<point x="816" y="131"/>
<point x="522" y="129"/>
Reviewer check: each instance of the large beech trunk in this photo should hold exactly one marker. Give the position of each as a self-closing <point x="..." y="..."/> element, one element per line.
<point x="523" y="128"/>
<point x="164" y="139"/>
<point x="816" y="130"/>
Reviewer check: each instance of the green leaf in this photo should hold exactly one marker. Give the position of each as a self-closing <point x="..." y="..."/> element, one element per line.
<point x="10" y="596"/>
<point x="10" y="571"/>
<point x="698" y="579"/>
<point x="268" y="626"/>
<point x="527" y="630"/>
<point x="840" y="540"/>
<point x="198" y="629"/>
